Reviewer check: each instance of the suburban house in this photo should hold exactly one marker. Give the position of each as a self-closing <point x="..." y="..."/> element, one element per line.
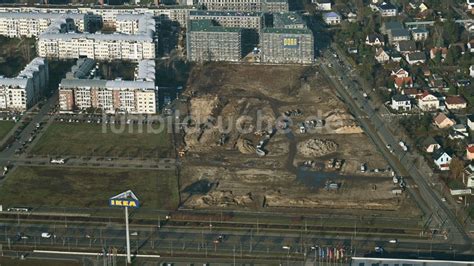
<point x="381" y="56"/>
<point x="411" y="92"/>
<point x="460" y="45"/>
<point x="400" y="73"/>
<point x="397" y="35"/>
<point x="416" y="58"/>
<point x="461" y="129"/>
<point x="470" y="121"/>
<point x="428" y="102"/>
<point x="406" y="47"/>
<point x="352" y="17"/>
<point x="470" y="4"/>
<point x="470" y="46"/>
<point x="388" y="26"/>
<point x="332" y="18"/>
<point x="456" y="135"/>
<point x="401" y="102"/>
<point x="423" y="7"/>
<point x="437" y="83"/>
<point x="455" y="102"/>
<point x="434" y="51"/>
<point x="386" y="9"/>
<point x="375" y="39"/>
<point x="395" y="56"/>
<point x="430" y="145"/>
<point x="441" y="159"/>
<point x="324" y="5"/>
<point x="468" y="176"/>
<point x="420" y="34"/>
<point x="442" y="121"/>
<point x="405" y="82"/>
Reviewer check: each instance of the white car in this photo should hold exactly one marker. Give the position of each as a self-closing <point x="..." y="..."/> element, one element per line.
<point x="57" y="161"/>
<point x="46" y="235"/>
<point x="393" y="241"/>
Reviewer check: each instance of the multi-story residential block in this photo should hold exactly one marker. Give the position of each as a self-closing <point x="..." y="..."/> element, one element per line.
<point x="246" y="5"/>
<point x="233" y="19"/>
<point x="142" y="45"/>
<point x="276" y="6"/>
<point x="287" y="46"/>
<point x="137" y="96"/>
<point x="207" y="41"/>
<point x="23" y="91"/>
<point x="29" y="25"/>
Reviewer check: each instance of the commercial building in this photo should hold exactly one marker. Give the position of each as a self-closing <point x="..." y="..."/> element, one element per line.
<point x="137" y="96"/>
<point x="23" y="91"/>
<point x="287" y="46"/>
<point x="207" y="41"/>
<point x="63" y="44"/>
<point x="246" y="5"/>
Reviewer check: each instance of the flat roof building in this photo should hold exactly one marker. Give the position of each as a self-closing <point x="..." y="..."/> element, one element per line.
<point x="287" y="46"/>
<point x="57" y="43"/>
<point x="137" y="96"/>
<point x="234" y="19"/>
<point x="23" y="91"/>
<point x="248" y="5"/>
<point x="207" y="41"/>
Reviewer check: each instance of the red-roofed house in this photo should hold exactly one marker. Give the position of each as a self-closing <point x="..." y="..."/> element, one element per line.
<point x="411" y="92"/>
<point x="403" y="82"/>
<point x="455" y="102"/>
<point x="470" y="152"/>
<point x="401" y="73"/>
<point x="435" y="50"/>
<point x="428" y="102"/>
<point x="442" y="121"/>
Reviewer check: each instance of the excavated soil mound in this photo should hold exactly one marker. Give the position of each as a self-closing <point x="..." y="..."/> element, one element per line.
<point x="317" y="147"/>
<point x="245" y="146"/>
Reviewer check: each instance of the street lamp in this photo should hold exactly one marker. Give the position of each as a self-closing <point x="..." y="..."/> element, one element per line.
<point x="126" y="199"/>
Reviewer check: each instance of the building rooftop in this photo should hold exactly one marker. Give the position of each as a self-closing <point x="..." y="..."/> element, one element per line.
<point x="81" y="69"/>
<point x="146" y="70"/>
<point x="112" y="84"/>
<point x="331" y="15"/>
<point x="224" y="13"/>
<point x="22" y="79"/>
<point x="286" y="31"/>
<point x="208" y="25"/>
<point x="282" y="20"/>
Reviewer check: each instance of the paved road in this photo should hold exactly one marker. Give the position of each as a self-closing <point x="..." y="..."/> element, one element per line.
<point x="87" y="162"/>
<point x="376" y="128"/>
<point x="201" y="241"/>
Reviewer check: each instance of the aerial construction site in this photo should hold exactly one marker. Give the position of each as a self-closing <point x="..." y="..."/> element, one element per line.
<point x="278" y="137"/>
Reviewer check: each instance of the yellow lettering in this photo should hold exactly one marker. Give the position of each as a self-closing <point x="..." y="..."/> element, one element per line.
<point x="132" y="204"/>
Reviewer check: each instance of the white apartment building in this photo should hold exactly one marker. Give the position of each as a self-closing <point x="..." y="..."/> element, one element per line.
<point x="54" y="43"/>
<point x="23" y="91"/>
<point x="137" y="96"/>
<point x="15" y="25"/>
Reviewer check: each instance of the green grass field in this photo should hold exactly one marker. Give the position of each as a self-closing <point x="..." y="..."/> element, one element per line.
<point x="5" y="127"/>
<point x="82" y="139"/>
<point x="80" y="187"/>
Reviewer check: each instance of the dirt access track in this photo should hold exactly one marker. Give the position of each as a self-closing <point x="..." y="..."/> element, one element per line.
<point x="221" y="167"/>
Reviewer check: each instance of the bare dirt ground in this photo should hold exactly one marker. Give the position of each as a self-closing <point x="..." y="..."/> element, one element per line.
<point x="223" y="169"/>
